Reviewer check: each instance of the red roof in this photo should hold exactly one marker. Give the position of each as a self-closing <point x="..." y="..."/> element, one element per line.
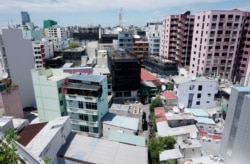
<point x="147" y="76"/>
<point x="160" y="114"/>
<point x="169" y="95"/>
<point x="30" y="132"/>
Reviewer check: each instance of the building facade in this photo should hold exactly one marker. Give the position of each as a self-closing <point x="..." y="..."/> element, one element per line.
<point x="176" y="38"/>
<point x="195" y="92"/>
<point x="86" y="97"/>
<point x="215" y="41"/>
<point x="42" y="50"/>
<point x="125" y="41"/>
<point x="140" y="49"/>
<point x="125" y="72"/>
<point x="235" y="140"/>
<point x="50" y="101"/>
<point x="19" y="61"/>
<point x="25" y="17"/>
<point x="153" y="33"/>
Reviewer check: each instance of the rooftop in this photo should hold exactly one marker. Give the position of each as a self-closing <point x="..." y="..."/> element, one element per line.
<point x="205" y="120"/>
<point x="90" y="78"/>
<point x="95" y="150"/>
<point x="4" y="121"/>
<point x="197" y="112"/>
<point x="164" y="130"/>
<point x="169" y="95"/>
<point x="182" y="79"/>
<point x="136" y="108"/>
<point x="141" y="41"/>
<point x="170" y="154"/>
<point x="44" y="137"/>
<point x="78" y="49"/>
<point x="180" y="116"/>
<point x="121" y="54"/>
<point x="189" y="143"/>
<point x="127" y="138"/>
<point x="121" y="121"/>
<point x="160" y="114"/>
<point x="101" y="71"/>
<point x="29" y="132"/>
<point x="147" y="76"/>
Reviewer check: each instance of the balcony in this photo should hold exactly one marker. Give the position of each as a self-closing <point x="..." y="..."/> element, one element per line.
<point x="82" y="111"/>
<point x="85" y="123"/>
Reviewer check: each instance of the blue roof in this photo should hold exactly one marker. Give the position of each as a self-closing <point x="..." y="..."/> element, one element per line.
<point x="205" y="120"/>
<point x="121" y="121"/>
<point x="90" y="78"/>
<point x="197" y="112"/>
<point x="242" y="89"/>
<point x="127" y="138"/>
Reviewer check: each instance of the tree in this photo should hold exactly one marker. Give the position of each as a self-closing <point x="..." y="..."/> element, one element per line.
<point x="47" y="160"/>
<point x="158" y="144"/>
<point x="8" y="147"/>
<point x="74" y="44"/>
<point x="155" y="103"/>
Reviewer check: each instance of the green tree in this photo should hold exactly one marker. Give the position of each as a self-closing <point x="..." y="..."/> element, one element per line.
<point x="170" y="161"/>
<point x="47" y="160"/>
<point x="158" y="144"/>
<point x="155" y="103"/>
<point x="74" y="44"/>
<point x="8" y="147"/>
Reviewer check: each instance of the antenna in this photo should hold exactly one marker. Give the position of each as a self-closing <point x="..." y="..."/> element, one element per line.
<point x="120" y="17"/>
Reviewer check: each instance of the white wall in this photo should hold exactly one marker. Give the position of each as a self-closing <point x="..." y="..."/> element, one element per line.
<point x="20" y="62"/>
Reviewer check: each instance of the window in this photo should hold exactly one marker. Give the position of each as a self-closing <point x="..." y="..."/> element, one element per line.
<point x="208" y="102"/>
<point x="95" y="130"/>
<point x="198" y="102"/>
<point x="191" y="87"/>
<point x="84" y="128"/>
<point x="80" y="104"/>
<point x="83" y="117"/>
<point x="118" y="94"/>
<point x="61" y="102"/>
<point x="209" y="94"/>
<point x="198" y="95"/>
<point x="200" y="88"/>
<point x="127" y="94"/>
<point x="90" y="105"/>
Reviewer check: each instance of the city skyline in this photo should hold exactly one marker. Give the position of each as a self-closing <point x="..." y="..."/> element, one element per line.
<point x="84" y="13"/>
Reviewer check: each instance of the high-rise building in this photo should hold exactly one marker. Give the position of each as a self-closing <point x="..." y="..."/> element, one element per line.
<point x="153" y="33"/>
<point x="86" y="97"/>
<point x="49" y="23"/>
<point x="25" y="17"/>
<point x="18" y="60"/>
<point x="126" y="73"/>
<point x="235" y="145"/>
<point x="215" y="42"/>
<point x="176" y="38"/>
<point x="125" y="41"/>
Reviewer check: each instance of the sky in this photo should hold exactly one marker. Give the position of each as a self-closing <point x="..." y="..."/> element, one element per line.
<point x="106" y="12"/>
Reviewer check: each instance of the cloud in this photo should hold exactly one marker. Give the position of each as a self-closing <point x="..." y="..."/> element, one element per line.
<point x="51" y="6"/>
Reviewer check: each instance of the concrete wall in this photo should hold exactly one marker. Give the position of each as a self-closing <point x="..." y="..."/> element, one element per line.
<point x="20" y="61"/>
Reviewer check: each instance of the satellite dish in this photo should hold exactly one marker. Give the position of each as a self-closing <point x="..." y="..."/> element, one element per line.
<point x="119" y="29"/>
<point x="193" y="135"/>
<point x="176" y="109"/>
<point x="163" y="87"/>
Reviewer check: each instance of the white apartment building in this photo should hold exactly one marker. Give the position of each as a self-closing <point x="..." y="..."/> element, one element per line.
<point x="50" y="101"/>
<point x="235" y="145"/>
<point x="215" y="40"/>
<point x="153" y="33"/>
<point x="195" y="92"/>
<point x="56" y="32"/>
<point x="176" y="37"/>
<point x="17" y="59"/>
<point x="3" y="59"/>
<point x="42" y="50"/>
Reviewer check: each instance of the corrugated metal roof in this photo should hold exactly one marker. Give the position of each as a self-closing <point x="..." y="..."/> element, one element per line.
<point x="170" y="154"/>
<point x="96" y="150"/>
<point x="127" y="138"/>
<point x="205" y="120"/>
<point x="197" y="112"/>
<point x="121" y="121"/>
<point x="169" y="95"/>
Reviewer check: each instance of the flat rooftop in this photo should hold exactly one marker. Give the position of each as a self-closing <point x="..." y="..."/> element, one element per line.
<point x="182" y="79"/>
<point x="170" y="154"/>
<point x="136" y="108"/>
<point x="164" y="130"/>
<point x="196" y="112"/>
<point x="101" y="71"/>
<point x="95" y="150"/>
<point x="180" y="116"/>
<point x="90" y="78"/>
<point x="121" y="121"/>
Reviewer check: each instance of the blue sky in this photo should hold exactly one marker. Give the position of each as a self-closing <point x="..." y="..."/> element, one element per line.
<point x="105" y="12"/>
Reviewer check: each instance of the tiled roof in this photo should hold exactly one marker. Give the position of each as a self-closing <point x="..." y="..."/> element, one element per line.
<point x="169" y="95"/>
<point x="147" y="76"/>
<point x="30" y="132"/>
<point x="160" y="114"/>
